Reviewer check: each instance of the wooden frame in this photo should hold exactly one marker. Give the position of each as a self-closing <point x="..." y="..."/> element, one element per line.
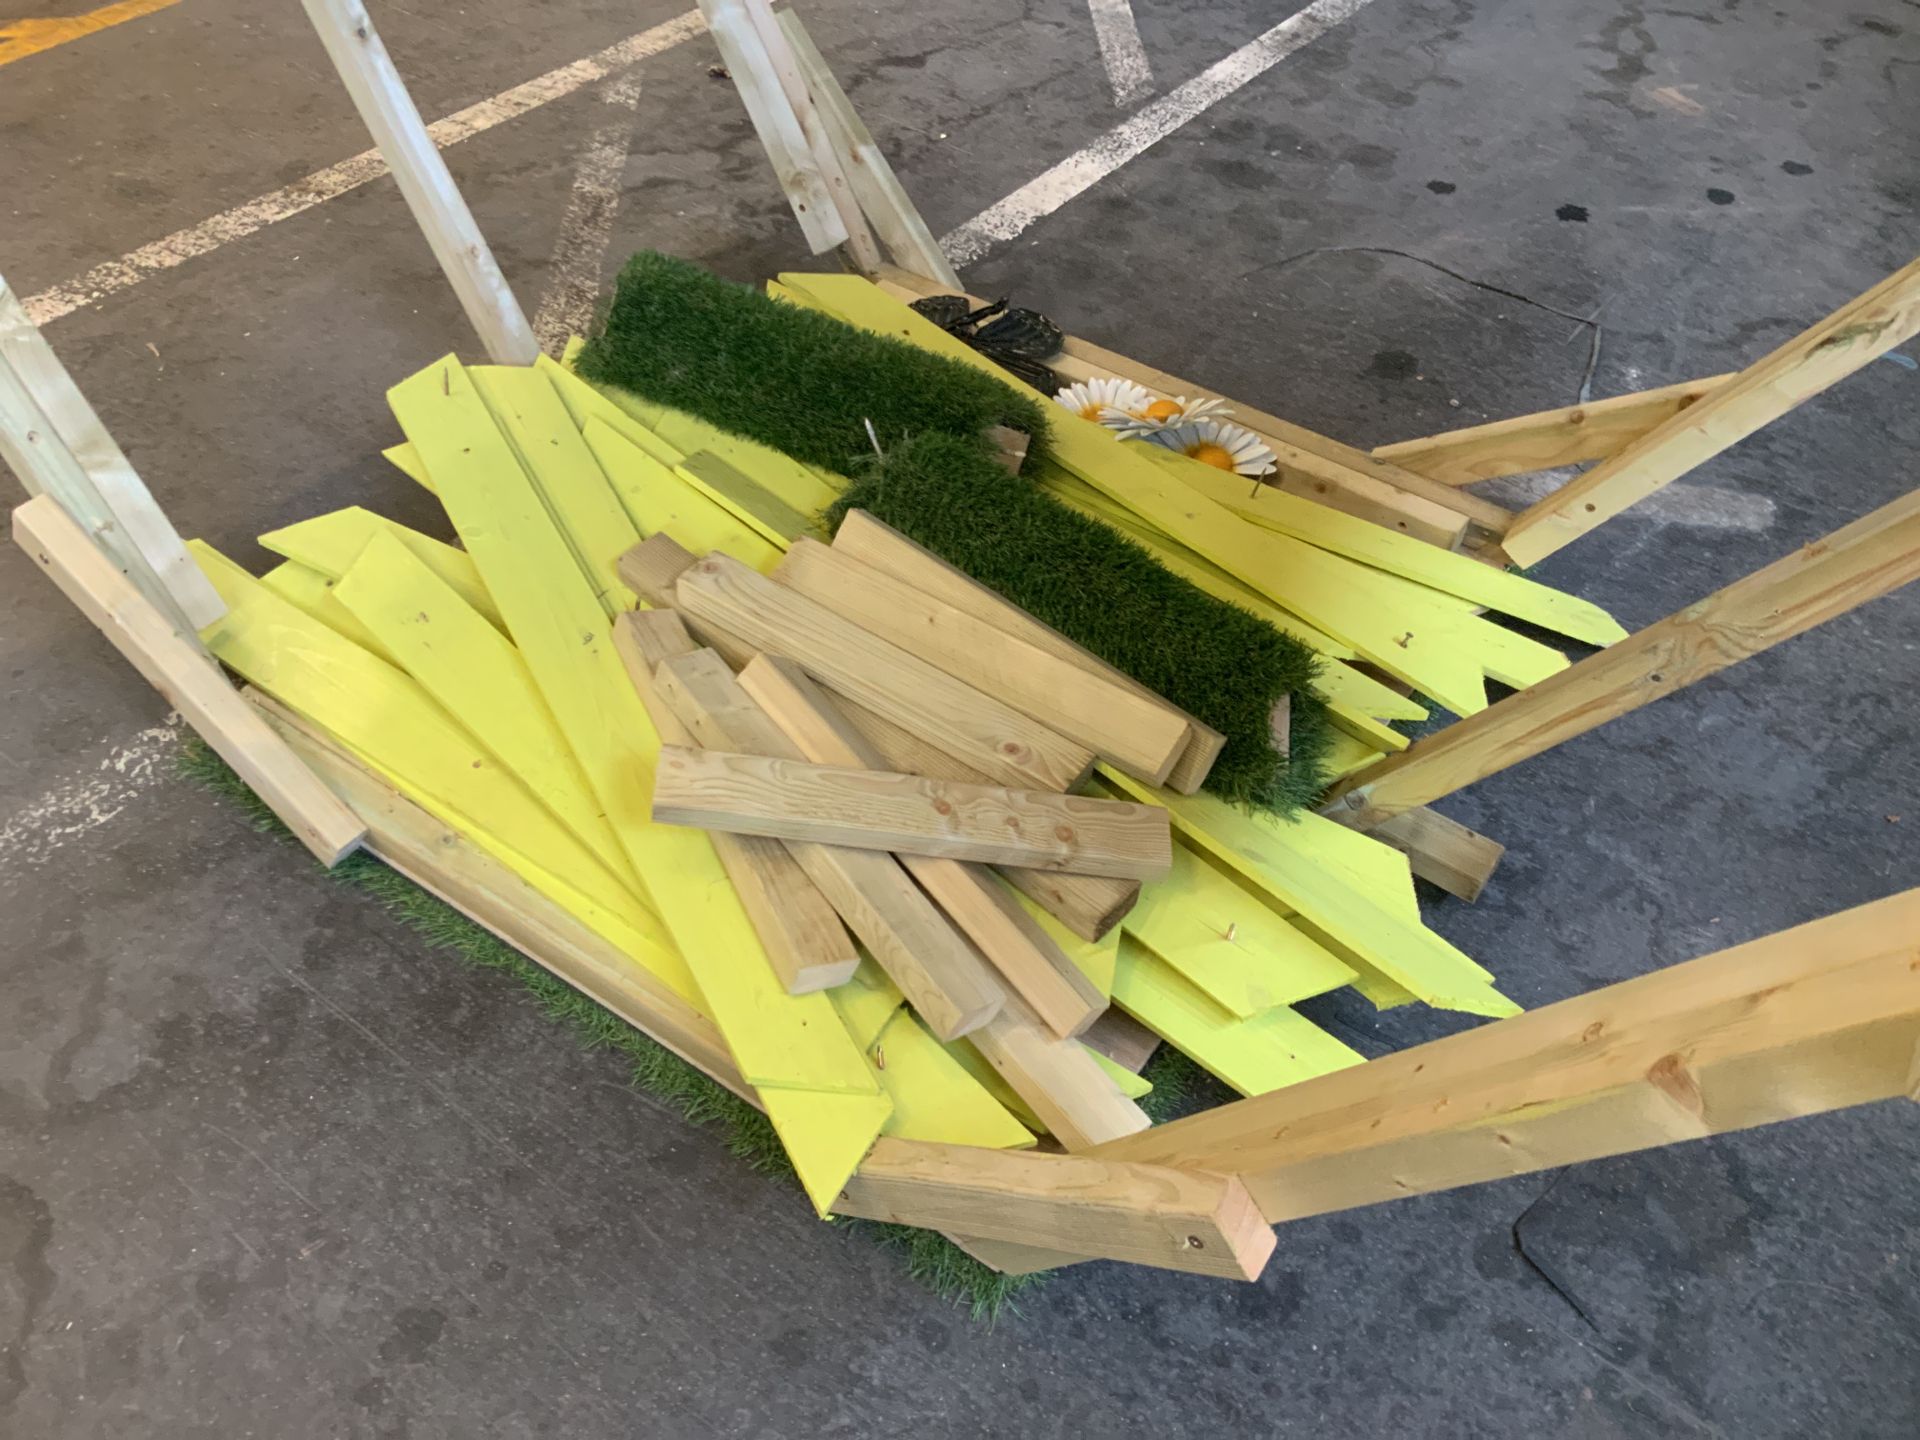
<point x="1815" y="1018"/>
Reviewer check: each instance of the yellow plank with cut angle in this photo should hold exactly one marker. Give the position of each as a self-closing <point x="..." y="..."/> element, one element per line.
<point x="1279" y="856"/>
<point x="662" y="502"/>
<point x="1134" y="1087"/>
<point x="1237" y="951"/>
<point x="866" y="1002"/>
<point x="825" y="1134"/>
<point x="1323" y="589"/>
<point x="330" y="543"/>
<point x="477" y="677"/>
<point x="307" y="588"/>
<point x="386" y="718"/>
<point x="782" y="1043"/>
<point x="1402" y="555"/>
<point x="1264" y="1052"/>
<point x="1348" y="755"/>
<point x="586" y="402"/>
<point x="934" y="1096"/>
<point x="564" y="473"/>
<point x="407" y="461"/>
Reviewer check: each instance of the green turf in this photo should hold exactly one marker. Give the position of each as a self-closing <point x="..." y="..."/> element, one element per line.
<point x="795" y="379"/>
<point x="931" y="1259"/>
<point x="1212" y="659"/>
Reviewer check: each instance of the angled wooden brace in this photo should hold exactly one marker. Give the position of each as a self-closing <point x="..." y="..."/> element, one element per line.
<point x="1873" y="556"/>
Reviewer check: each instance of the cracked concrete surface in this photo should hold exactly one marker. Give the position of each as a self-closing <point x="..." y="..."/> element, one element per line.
<point x="268" y="1166"/>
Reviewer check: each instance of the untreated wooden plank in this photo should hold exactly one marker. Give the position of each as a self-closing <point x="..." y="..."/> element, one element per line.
<point x="883" y="810"/>
<point x="1853" y="335"/>
<point x="186" y="678"/>
<point x="879" y="545"/>
<point x="1122" y="1039"/>
<point x="1027" y="958"/>
<point x="1009" y="747"/>
<point x="1060" y="1080"/>
<point x="936" y="970"/>
<point x="1139" y="733"/>
<point x="1546" y="440"/>
<point x="1148" y="1215"/>
<point x="1876" y="554"/>
<point x="1814" y="1018"/>
<point x="1445" y="852"/>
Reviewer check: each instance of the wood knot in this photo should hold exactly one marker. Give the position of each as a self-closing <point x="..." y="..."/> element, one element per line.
<point x="1593" y="1032"/>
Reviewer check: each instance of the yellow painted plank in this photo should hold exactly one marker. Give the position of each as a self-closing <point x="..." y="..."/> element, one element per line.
<point x="1093" y="958"/>
<point x="569" y="481"/>
<point x="934" y="1096"/>
<point x="1237" y="951"/>
<point x="1265" y="1052"/>
<point x="989" y="1079"/>
<point x="778" y="1040"/>
<point x="1380" y="738"/>
<point x="1279" y="856"/>
<point x="479" y="678"/>
<point x="1134" y="1087"/>
<point x="749" y="502"/>
<point x="389" y="720"/>
<point x="826" y="1134"/>
<point x="307" y="588"/>
<point x="407" y="460"/>
<point x="586" y="402"/>
<point x="330" y="543"/>
<point x="866" y="1002"/>
<point x="1402" y="555"/>
<point x="661" y="501"/>
<point x="1347" y="755"/>
<point x="1325" y="590"/>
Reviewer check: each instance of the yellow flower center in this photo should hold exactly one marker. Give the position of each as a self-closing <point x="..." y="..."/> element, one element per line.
<point x="1091" y="410"/>
<point x="1162" y="410"/>
<point x="1208" y="453"/>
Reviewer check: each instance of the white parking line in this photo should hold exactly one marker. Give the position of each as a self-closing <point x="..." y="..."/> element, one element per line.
<point x="586" y="229"/>
<point x="336" y="180"/>
<point x="1046" y="193"/>
<point x="1121" y="51"/>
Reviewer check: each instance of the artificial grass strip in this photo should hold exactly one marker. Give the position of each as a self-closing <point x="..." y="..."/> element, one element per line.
<point x="1212" y="659"/>
<point x="931" y="1259"/>
<point x="800" y="381"/>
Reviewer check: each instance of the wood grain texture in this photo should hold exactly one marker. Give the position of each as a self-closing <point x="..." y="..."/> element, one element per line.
<point x="1546" y="440"/>
<point x="1140" y="733"/>
<point x="983" y="732"/>
<point x="1202" y="1224"/>
<point x="911" y="814"/>
<point x="1874" y="555"/>
<point x="1814" y="1018"/>
<point x="1060" y="1080"/>
<point x="879" y="545"/>
<point x="1856" y="333"/>
<point x="187" y="679"/>
<point x="1444" y="852"/>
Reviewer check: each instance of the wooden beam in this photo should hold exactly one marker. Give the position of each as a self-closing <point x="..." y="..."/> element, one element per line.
<point x="388" y="110"/>
<point x="447" y="864"/>
<point x="1139" y="733"/>
<point x="1874" y="555"/>
<point x="1202" y="1224"/>
<point x="186" y="678"/>
<point x="56" y="445"/>
<point x="1442" y="851"/>
<point x="1546" y="440"/>
<point x="862" y="249"/>
<point x="1312" y="466"/>
<point x="1027" y="958"/>
<point x="985" y="733"/>
<point x="794" y="165"/>
<point x="1060" y="1080"/>
<point x="1856" y="333"/>
<point x="881" y="810"/>
<point x="1123" y="1040"/>
<point x="935" y="969"/>
<point x="1815" y="1018"/>
<point x="875" y="186"/>
<point x="877" y="544"/>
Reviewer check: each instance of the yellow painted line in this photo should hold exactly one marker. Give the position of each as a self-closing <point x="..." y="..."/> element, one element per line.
<point x="22" y="38"/>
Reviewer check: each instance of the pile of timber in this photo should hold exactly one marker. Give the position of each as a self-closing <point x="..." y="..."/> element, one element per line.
<point x="851" y="832"/>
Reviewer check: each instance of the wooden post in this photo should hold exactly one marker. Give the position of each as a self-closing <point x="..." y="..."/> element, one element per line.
<point x="775" y="122"/>
<point x="55" y="443"/>
<point x="1814" y="1018"/>
<point x="875" y="186"/>
<point x="1856" y="333"/>
<point x="1874" y="555"/>
<point x="190" y="681"/>
<point x="442" y="215"/>
<point x="1547" y="439"/>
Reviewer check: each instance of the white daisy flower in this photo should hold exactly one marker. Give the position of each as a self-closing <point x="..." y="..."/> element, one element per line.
<point x="1176" y="410"/>
<point x="1104" y="400"/>
<point x="1219" y="443"/>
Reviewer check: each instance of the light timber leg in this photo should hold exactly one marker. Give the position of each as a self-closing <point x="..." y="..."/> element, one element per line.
<point x="1874" y="555"/>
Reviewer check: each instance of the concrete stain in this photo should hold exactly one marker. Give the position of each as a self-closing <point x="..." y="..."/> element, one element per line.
<point x="1576" y="213"/>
